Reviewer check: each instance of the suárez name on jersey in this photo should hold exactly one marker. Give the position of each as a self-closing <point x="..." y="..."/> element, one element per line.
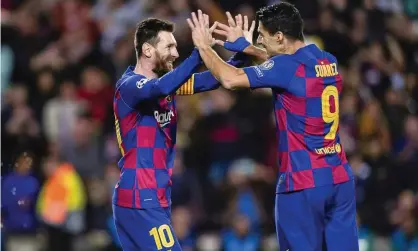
<point x="163" y="118"/>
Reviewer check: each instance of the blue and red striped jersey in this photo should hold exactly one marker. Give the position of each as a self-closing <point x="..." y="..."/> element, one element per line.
<point x="306" y="90"/>
<point x="146" y="126"/>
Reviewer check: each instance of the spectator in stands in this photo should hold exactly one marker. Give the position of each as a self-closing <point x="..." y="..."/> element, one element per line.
<point x="365" y="235"/>
<point x="187" y="191"/>
<point x="18" y="198"/>
<point x="60" y="113"/>
<point x="83" y="150"/>
<point x="183" y="227"/>
<point x="405" y="238"/>
<point x="240" y="236"/>
<point x="61" y="204"/>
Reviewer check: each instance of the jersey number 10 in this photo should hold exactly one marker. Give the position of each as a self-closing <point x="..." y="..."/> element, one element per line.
<point x="328" y="97"/>
<point x="163" y="236"/>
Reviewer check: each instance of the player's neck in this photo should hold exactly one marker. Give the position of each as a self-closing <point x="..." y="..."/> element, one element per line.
<point x="145" y="68"/>
<point x="293" y="47"/>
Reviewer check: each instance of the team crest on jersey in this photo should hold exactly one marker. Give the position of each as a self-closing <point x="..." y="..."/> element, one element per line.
<point x="267" y="65"/>
<point x="169" y="98"/>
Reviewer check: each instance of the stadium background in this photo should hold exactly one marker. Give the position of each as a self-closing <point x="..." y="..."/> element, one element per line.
<point x="59" y="63"/>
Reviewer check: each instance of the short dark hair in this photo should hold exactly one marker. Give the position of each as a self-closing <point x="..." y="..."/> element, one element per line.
<point x="283" y="17"/>
<point x="147" y="32"/>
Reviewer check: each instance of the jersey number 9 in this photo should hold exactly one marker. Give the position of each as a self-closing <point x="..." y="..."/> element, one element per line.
<point x="329" y="97"/>
<point x="163" y="236"/>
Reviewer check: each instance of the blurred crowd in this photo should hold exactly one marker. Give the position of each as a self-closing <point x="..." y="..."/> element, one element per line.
<point x="60" y="60"/>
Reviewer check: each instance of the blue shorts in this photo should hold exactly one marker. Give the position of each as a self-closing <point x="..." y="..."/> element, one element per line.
<point x="317" y="219"/>
<point x="145" y="229"/>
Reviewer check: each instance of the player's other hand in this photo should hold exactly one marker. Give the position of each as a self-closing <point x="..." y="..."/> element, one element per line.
<point x="238" y="34"/>
<point x="201" y="33"/>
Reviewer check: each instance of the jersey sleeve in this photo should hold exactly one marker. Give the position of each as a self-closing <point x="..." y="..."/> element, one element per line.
<point x="277" y="72"/>
<point x="205" y="81"/>
<point x="137" y="88"/>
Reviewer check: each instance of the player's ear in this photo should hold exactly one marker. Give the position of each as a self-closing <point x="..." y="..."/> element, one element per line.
<point x="147" y="50"/>
<point x="279" y="37"/>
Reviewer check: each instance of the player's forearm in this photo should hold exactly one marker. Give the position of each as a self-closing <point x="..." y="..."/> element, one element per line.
<point x="138" y="89"/>
<point x="205" y="81"/>
<point x="256" y="52"/>
<point x="171" y="81"/>
<point x="221" y="70"/>
<point x="199" y="82"/>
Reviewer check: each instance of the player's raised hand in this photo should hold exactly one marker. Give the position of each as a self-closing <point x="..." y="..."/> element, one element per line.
<point x="238" y="34"/>
<point x="248" y="31"/>
<point x="211" y="29"/>
<point x="231" y="32"/>
<point x="201" y="33"/>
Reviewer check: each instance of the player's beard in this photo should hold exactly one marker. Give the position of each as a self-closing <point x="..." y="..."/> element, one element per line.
<point x="163" y="65"/>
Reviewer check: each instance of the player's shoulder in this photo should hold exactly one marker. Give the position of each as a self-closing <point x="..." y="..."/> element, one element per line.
<point x="322" y="54"/>
<point x="277" y="71"/>
<point x="282" y="58"/>
<point x="279" y="62"/>
<point x="131" y="78"/>
<point x="331" y="58"/>
<point x="311" y="52"/>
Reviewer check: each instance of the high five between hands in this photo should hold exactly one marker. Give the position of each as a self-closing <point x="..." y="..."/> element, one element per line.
<point x="238" y="34"/>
